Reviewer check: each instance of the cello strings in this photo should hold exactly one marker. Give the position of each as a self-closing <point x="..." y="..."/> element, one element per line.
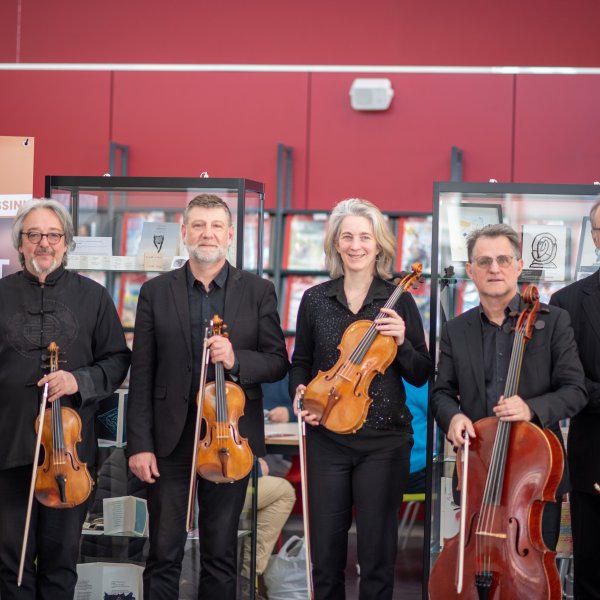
<point x="492" y="496"/>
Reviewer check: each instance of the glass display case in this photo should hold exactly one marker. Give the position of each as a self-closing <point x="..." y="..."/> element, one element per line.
<point x="128" y="228"/>
<point x="557" y="249"/>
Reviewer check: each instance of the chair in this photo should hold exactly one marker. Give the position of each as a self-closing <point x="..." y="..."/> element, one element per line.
<point x="411" y="510"/>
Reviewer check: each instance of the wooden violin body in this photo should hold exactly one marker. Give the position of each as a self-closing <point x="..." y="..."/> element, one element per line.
<point x="62" y="480"/>
<point x="504" y="551"/>
<point x="224" y="456"/>
<point x="340" y="396"/>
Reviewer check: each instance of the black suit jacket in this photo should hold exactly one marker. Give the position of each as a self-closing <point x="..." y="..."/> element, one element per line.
<point x="582" y="300"/>
<point x="552" y="379"/>
<point x="161" y="367"/>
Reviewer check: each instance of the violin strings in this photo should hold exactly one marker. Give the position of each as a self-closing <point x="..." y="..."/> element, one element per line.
<point x="365" y="343"/>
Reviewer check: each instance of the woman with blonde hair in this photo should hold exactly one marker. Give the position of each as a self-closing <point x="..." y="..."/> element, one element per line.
<point x="366" y="470"/>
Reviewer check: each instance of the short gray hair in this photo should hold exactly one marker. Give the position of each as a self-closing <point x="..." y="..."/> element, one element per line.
<point x="57" y="208"/>
<point x="494" y="231"/>
<point x="206" y="201"/>
<point x="383" y="236"/>
<point x="593" y="210"/>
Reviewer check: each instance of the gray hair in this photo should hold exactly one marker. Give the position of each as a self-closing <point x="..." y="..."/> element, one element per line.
<point x="57" y="208"/>
<point x="383" y="236"/>
<point x="494" y="231"/>
<point x="593" y="210"/>
<point x="206" y="201"/>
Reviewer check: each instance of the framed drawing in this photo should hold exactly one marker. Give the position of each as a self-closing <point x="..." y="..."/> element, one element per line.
<point x="588" y="256"/>
<point x="546" y="248"/>
<point x="465" y="218"/>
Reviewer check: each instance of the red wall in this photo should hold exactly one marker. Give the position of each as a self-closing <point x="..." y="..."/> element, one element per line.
<point x="384" y="32"/>
<point x="530" y="128"/>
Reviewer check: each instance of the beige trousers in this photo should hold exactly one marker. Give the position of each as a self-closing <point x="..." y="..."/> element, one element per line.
<point x="276" y="497"/>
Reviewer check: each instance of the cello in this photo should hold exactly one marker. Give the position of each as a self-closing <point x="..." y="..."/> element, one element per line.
<point x="62" y="480"/>
<point x="339" y="397"/>
<point x="223" y="455"/>
<point x="515" y="467"/>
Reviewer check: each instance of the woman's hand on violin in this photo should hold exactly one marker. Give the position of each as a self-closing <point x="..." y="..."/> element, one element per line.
<point x="458" y="425"/>
<point x="60" y="383"/>
<point x="513" y="409"/>
<point x="392" y="325"/>
<point x="221" y="350"/>
<point x="309" y="418"/>
<point x="143" y="466"/>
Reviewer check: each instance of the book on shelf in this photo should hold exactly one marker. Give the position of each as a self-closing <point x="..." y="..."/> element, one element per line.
<point x="158" y="244"/>
<point x="110" y="581"/>
<point x="295" y="286"/>
<point x="414" y="243"/>
<point x="304" y="239"/>
<point x="125" y="515"/>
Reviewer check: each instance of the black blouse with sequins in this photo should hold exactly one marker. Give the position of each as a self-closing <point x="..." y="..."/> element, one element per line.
<point x="323" y="317"/>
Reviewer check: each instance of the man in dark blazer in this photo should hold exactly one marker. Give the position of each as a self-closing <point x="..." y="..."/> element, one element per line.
<point x="582" y="301"/>
<point x="172" y="314"/>
<point x="475" y="350"/>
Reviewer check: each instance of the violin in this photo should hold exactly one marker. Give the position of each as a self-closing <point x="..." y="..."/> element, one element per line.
<point x="223" y="455"/>
<point x="340" y="397"/>
<point x="62" y="481"/>
<point x="514" y="468"/>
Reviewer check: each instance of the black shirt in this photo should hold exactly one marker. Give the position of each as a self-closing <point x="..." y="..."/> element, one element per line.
<point x="204" y="305"/>
<point x="497" y="348"/>
<point x="323" y="318"/>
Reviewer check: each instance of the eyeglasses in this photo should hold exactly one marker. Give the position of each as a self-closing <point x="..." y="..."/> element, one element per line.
<point x="485" y="262"/>
<point x="35" y="237"/>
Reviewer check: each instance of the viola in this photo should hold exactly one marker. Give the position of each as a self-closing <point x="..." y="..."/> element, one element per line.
<point x="514" y="468"/>
<point x="223" y="455"/>
<point x="339" y="397"/>
<point x="62" y="481"/>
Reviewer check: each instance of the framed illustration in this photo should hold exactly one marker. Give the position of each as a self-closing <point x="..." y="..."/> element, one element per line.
<point x="546" y="248"/>
<point x="588" y="256"/>
<point x="465" y="218"/>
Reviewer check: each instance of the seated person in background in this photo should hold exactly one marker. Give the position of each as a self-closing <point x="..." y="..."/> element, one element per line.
<point x="416" y="400"/>
<point x="277" y="406"/>
<point x="275" y="499"/>
<point x="277" y="403"/>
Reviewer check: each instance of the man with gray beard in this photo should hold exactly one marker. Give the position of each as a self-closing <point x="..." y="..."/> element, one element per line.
<point x="173" y="312"/>
<point x="41" y="304"/>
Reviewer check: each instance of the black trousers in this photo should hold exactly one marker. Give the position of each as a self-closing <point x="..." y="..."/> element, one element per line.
<point x="54" y="536"/>
<point x="219" y="509"/>
<point x="585" y="524"/>
<point x="367" y="470"/>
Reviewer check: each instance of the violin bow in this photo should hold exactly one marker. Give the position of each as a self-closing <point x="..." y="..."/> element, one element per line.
<point x="200" y="404"/>
<point x="304" y="490"/>
<point x="463" y="515"/>
<point x="36" y="457"/>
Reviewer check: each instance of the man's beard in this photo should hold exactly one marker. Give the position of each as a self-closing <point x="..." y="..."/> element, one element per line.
<point x="47" y="271"/>
<point x="206" y="256"/>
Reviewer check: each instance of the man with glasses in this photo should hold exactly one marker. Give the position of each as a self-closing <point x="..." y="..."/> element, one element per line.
<point x="41" y="304"/>
<point x="581" y="300"/>
<point x="475" y="351"/>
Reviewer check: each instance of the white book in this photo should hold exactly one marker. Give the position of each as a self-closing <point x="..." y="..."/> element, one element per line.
<point x="111" y="581"/>
<point x="125" y="515"/>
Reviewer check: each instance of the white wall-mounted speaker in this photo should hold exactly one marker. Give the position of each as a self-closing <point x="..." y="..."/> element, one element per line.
<point x="371" y="94"/>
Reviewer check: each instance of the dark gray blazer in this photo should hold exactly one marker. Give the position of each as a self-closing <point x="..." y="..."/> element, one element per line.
<point x="161" y="368"/>
<point x="582" y="300"/>
<point x="552" y="380"/>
